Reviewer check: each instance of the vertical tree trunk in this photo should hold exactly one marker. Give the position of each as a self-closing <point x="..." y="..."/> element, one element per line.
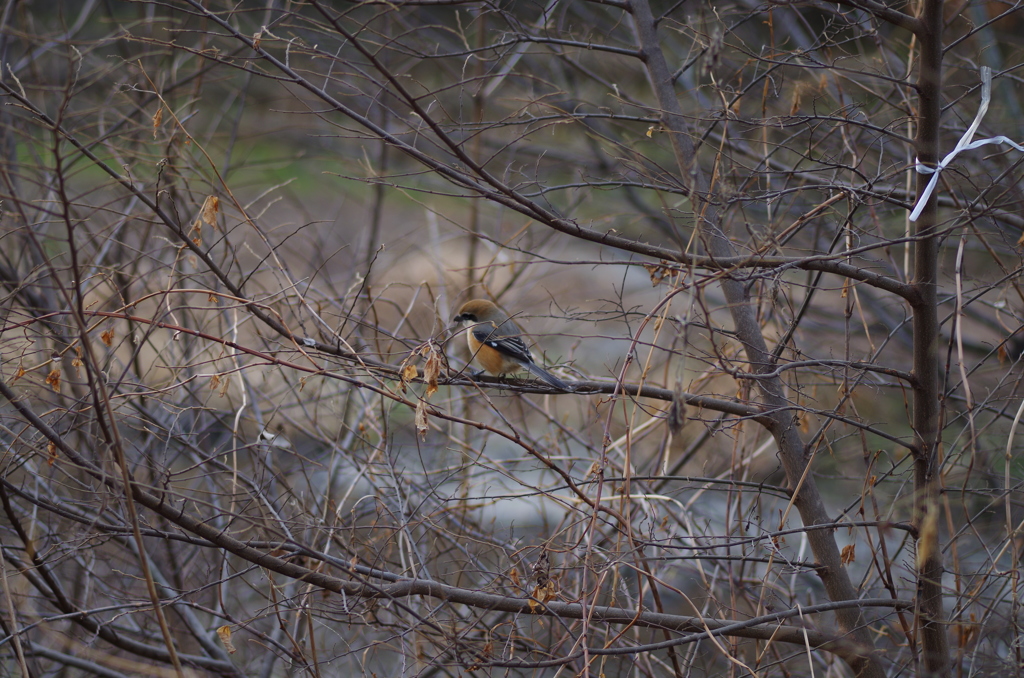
<point x="927" y="477"/>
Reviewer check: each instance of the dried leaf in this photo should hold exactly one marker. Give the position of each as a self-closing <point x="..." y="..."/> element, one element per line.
<point x="213" y="298"/>
<point x="158" y="117"/>
<point x="214" y="381"/>
<point x="848" y="554"/>
<point x="542" y="594"/>
<point x="211" y="206"/>
<point x="550" y="590"/>
<point x="409" y="372"/>
<point x="421" y="418"/>
<point x="658" y="272"/>
<point x="513" y="574"/>
<point x="18" y="374"/>
<point x="224" y="633"/>
<point x="53" y="379"/>
<point x="107" y="337"/>
<point x="51" y="451"/>
<point x="432" y="370"/>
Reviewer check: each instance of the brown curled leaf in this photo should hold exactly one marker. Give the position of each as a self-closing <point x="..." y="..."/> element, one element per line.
<point x="421" y="418"/>
<point x="409" y="373"/>
<point x="158" y="118"/>
<point x="211" y="206"/>
<point x="432" y="369"/>
<point x="224" y="633"/>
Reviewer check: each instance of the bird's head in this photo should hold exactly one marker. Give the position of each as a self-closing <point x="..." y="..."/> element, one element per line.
<point x="475" y="311"/>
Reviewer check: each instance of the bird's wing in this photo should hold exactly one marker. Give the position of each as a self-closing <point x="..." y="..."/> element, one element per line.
<point x="511" y="346"/>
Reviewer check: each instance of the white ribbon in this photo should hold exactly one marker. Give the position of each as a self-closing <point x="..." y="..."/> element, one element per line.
<point x="965" y="144"/>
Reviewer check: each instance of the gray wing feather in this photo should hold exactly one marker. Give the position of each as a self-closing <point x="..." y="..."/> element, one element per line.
<point x="513" y="346"/>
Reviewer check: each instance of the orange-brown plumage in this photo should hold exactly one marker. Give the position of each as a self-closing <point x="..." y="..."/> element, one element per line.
<point x="496" y="342"/>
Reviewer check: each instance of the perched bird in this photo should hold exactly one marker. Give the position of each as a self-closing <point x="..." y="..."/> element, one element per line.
<point x="497" y="342"/>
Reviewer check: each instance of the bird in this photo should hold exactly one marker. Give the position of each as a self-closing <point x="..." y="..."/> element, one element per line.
<point x="497" y="342"/>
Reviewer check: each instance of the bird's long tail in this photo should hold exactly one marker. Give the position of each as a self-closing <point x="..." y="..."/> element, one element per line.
<point x="539" y="372"/>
